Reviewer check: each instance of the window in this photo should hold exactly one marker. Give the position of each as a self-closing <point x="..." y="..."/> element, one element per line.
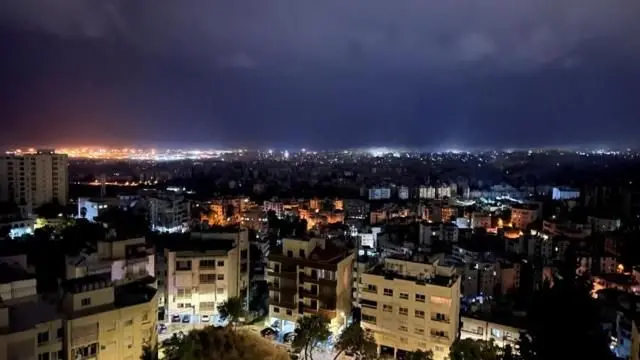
<point x="403" y="311"/>
<point x="43" y="337"/>
<point x="128" y="322"/>
<point x="301" y="253"/>
<point x="60" y="333"/>
<point x="60" y="354"/>
<point x="220" y="263"/>
<point x="371" y="289"/>
<point x="369" y="304"/>
<point x="145" y="317"/>
<point x="419" y="314"/>
<point x="220" y="291"/>
<point x="182" y="265"/>
<point x="289" y="313"/>
<point x="207" y="305"/>
<point x="496" y="333"/>
<point x="276" y="309"/>
<point x="220" y="277"/>
<point x="404" y="296"/>
<point x="183" y="293"/>
<point x="84" y="351"/>
<point x="439" y="317"/>
<point x="369" y="319"/>
<point x="439" y="333"/>
<point x="43" y="356"/>
<point x="289" y="253"/>
<point x="387" y="308"/>
<point x="420" y="298"/>
<point x="403" y="328"/>
<point x="207" y="264"/>
<point x="207" y="278"/>
<point x="440" y="300"/>
<point x="85" y="302"/>
<point x="388" y="292"/>
<point x="419" y="331"/>
<point x="244" y="254"/>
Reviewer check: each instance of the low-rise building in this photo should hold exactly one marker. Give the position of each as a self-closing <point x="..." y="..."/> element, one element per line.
<point x="309" y="276"/>
<point x="205" y="271"/>
<point x="411" y="306"/>
<point x="487" y="329"/>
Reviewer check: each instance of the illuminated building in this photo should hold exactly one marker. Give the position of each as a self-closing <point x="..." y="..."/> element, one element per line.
<point x="107" y="322"/>
<point x="13" y="223"/>
<point x="90" y="209"/>
<point x="411" y="306"/>
<point x="309" y="276"/>
<point x="35" y="178"/>
<point x="480" y="220"/>
<point x="523" y="215"/>
<point x="169" y="212"/>
<point x="124" y="260"/>
<point x="477" y="328"/>
<point x="205" y="271"/>
<point x="91" y="318"/>
<point x="276" y="206"/>
<point x="560" y="193"/>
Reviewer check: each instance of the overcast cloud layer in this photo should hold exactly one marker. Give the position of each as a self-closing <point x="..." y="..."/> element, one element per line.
<point x="356" y="63"/>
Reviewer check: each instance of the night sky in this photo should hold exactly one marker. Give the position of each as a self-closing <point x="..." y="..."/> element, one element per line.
<point x="320" y="74"/>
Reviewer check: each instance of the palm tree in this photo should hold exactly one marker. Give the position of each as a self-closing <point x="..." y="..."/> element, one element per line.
<point x="232" y="310"/>
<point x="356" y="340"/>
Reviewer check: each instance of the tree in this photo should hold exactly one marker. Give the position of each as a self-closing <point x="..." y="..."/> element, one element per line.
<point x="564" y="306"/>
<point x="232" y="310"/>
<point x="358" y="341"/>
<point x="420" y="355"/>
<point x="149" y="352"/>
<point x="469" y="349"/>
<point x="218" y="343"/>
<point x="311" y="331"/>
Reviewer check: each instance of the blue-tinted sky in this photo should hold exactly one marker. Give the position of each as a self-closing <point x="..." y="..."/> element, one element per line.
<point x="331" y="73"/>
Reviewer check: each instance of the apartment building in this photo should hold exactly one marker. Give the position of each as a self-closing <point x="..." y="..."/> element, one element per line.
<point x="124" y="260"/>
<point x="411" y="306"/>
<point x="309" y="276"/>
<point x="33" y="179"/>
<point x="204" y="271"/>
<point x="107" y="322"/>
<point x="29" y="327"/>
<point x="487" y="329"/>
<point x="169" y="212"/>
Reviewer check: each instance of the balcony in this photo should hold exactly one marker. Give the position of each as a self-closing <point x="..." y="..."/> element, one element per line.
<point x="288" y="304"/>
<point x="309" y="294"/>
<point x="282" y="274"/>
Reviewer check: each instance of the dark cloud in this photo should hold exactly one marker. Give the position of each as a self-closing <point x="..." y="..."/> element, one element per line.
<point x="323" y="73"/>
<point x="375" y="32"/>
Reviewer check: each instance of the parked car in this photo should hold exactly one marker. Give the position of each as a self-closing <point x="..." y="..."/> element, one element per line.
<point x="269" y="333"/>
<point x="204" y="318"/>
<point x="186" y="319"/>
<point x="175" y="318"/>
<point x="162" y="328"/>
<point x="288" y="337"/>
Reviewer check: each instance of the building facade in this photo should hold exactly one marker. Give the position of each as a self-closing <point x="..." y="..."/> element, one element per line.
<point x="33" y="179"/>
<point x="411" y="306"/>
<point x="310" y="276"/>
<point x="205" y="272"/>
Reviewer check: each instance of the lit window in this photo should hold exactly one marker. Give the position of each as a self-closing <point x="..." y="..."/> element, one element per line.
<point x="403" y="311"/>
<point x="388" y="292"/>
<point x="387" y="308"/>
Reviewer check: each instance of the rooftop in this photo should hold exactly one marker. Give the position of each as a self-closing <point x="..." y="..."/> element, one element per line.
<point x="9" y="274"/>
<point x="433" y="279"/>
<point x="26" y="315"/>
<point x="87" y="283"/>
